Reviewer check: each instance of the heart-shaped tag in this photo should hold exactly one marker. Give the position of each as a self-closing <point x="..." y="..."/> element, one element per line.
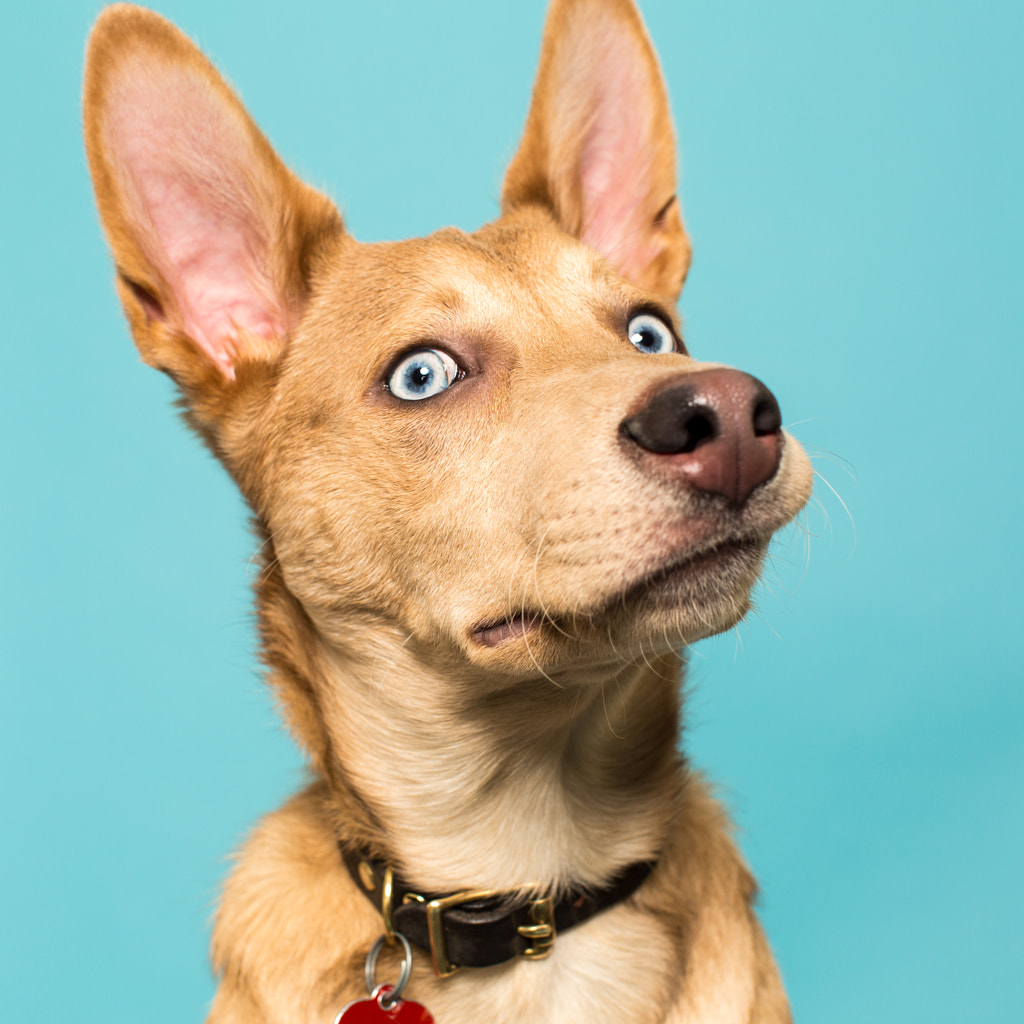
<point x="373" y="1010"/>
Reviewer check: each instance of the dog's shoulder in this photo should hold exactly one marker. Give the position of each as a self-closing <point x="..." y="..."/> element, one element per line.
<point x="287" y="907"/>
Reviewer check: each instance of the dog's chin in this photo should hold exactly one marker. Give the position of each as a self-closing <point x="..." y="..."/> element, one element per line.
<point x="684" y="600"/>
<point x="696" y="597"/>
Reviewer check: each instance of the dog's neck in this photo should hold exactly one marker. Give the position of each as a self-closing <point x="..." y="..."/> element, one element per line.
<point x="462" y="784"/>
<point x="534" y="786"/>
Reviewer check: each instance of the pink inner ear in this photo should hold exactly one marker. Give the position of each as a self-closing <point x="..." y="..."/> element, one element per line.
<point x="616" y="159"/>
<point x="188" y="173"/>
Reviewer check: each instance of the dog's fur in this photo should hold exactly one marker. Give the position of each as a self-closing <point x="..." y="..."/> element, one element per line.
<point x="471" y="607"/>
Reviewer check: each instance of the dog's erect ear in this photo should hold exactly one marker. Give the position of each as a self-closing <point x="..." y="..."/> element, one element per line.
<point x="598" y="150"/>
<point x="212" y="235"/>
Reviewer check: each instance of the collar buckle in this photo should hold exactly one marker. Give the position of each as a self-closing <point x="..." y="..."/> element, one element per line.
<point x="443" y="967"/>
<point x="540" y="932"/>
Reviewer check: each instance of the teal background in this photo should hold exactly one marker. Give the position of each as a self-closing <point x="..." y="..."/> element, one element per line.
<point x="852" y="180"/>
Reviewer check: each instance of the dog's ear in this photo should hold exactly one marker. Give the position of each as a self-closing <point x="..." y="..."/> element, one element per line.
<point x="598" y="150"/>
<point x="212" y="235"/>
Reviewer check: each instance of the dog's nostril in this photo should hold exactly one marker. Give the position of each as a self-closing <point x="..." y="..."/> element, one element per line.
<point x="675" y="421"/>
<point x="767" y="416"/>
<point x="698" y="427"/>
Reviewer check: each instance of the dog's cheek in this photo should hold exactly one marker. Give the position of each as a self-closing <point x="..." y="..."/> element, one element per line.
<point x="365" y="520"/>
<point x="326" y="538"/>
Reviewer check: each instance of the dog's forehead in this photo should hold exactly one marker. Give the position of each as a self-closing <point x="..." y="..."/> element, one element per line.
<point x="487" y="281"/>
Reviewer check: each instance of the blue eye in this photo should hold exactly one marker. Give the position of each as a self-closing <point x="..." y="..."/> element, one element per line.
<point x="423" y="374"/>
<point x="650" y="335"/>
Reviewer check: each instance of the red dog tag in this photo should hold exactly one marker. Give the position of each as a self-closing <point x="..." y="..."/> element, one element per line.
<point x="372" y="1010"/>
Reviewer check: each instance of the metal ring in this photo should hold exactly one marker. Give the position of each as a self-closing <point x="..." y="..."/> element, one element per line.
<point x="403" y="975"/>
<point x="386" y="908"/>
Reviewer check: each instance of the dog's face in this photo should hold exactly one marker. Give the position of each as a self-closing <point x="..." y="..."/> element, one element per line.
<point x="504" y="516"/>
<point x="495" y="447"/>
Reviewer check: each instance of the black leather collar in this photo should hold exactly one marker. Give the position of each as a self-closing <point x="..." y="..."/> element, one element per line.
<point x="482" y="928"/>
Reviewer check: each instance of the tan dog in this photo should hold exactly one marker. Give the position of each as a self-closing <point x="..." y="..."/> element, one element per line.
<point x="498" y="498"/>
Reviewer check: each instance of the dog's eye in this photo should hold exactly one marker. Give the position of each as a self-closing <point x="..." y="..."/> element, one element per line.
<point x="650" y="335"/>
<point x="423" y="374"/>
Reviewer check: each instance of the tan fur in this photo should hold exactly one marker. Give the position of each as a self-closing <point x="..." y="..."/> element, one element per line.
<point x="394" y="530"/>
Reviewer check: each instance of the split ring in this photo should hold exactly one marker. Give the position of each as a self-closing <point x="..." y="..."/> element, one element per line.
<point x="403" y="975"/>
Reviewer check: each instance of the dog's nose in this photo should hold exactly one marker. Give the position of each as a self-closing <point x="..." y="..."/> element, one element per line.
<point x="719" y="430"/>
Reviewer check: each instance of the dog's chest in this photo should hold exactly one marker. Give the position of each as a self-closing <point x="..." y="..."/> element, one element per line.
<point x="615" y="968"/>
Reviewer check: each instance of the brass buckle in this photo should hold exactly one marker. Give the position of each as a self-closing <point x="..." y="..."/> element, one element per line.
<point x="443" y="967"/>
<point x="541" y="932"/>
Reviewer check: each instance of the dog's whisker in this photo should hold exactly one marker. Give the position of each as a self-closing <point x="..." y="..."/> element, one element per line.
<point x="816" y="453"/>
<point x="845" y="508"/>
<point x="378" y="681"/>
<point x="820" y="505"/>
<point x="760" y="618"/>
<point x="644" y="658"/>
<point x="623" y="709"/>
<point x="604" y="698"/>
<point x="545" y="615"/>
<point x="537" y="664"/>
<point x="802" y="523"/>
<point x="611" y="643"/>
<point x="256" y="554"/>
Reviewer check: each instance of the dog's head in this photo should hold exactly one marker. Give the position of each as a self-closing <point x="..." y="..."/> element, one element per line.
<point x="494" y="446"/>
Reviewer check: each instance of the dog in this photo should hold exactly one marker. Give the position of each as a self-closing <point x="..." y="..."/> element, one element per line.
<point x="497" y="498"/>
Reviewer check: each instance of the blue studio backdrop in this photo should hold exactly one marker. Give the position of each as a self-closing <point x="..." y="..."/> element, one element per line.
<point x="852" y="180"/>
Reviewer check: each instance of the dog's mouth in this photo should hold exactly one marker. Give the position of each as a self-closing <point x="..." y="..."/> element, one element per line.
<point x="678" y="580"/>
<point x="738" y="552"/>
<point x="514" y="627"/>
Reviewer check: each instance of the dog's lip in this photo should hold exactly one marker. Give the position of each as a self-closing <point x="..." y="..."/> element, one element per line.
<point x="704" y="558"/>
<point x="493" y="632"/>
<point x="497" y="631"/>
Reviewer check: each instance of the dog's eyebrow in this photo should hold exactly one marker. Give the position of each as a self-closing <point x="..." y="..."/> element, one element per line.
<point x="449" y="299"/>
